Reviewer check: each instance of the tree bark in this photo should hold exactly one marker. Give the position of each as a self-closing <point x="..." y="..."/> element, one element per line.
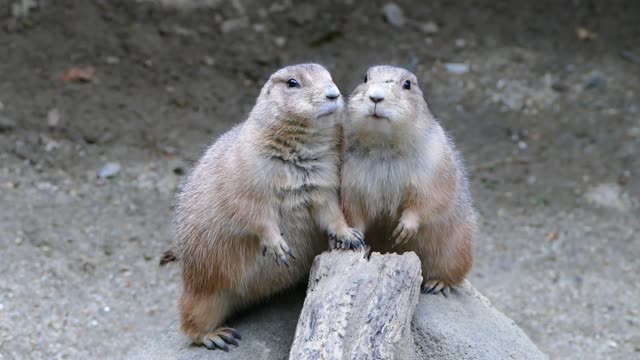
<point x="359" y="307"/>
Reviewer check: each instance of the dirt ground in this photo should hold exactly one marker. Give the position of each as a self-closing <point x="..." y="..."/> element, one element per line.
<point x="547" y="118"/>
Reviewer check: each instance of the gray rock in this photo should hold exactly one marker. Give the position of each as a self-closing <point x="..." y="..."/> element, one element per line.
<point x="462" y="326"/>
<point x="109" y="170"/>
<point x="267" y="333"/>
<point x="466" y="326"/>
<point x="393" y="14"/>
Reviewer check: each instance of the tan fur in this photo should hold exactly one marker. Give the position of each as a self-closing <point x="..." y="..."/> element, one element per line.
<point x="402" y="174"/>
<point x="270" y="184"/>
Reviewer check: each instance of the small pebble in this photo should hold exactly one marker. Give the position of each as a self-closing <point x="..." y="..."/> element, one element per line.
<point x="106" y="309"/>
<point x="304" y="13"/>
<point x="112" y="60"/>
<point x="609" y="195"/>
<point x="522" y="145"/>
<point x="109" y="170"/>
<point x="624" y="178"/>
<point x="53" y="118"/>
<point x="6" y="124"/>
<point x="209" y="61"/>
<point x="259" y="28"/>
<point x="594" y="82"/>
<point x="558" y="86"/>
<point x="21" y="9"/>
<point x="430" y="27"/>
<point x="393" y="14"/>
<point x="280" y="41"/>
<point x="456" y="68"/>
<point x="230" y="25"/>
<point x="460" y="43"/>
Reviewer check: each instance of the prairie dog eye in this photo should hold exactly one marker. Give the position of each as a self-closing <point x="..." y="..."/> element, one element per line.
<point x="407" y="85"/>
<point x="365" y="79"/>
<point x="293" y="83"/>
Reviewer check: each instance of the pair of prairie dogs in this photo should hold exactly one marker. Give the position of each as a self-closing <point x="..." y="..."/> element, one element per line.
<point x="266" y="196"/>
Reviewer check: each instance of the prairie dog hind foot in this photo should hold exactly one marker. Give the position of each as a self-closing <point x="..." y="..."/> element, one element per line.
<point x="221" y="338"/>
<point x="436" y="286"/>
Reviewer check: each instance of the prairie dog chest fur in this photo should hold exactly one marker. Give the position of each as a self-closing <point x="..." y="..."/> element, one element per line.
<point x="301" y="179"/>
<point x="381" y="178"/>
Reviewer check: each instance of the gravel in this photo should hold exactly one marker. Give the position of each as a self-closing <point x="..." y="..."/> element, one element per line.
<point x="73" y="244"/>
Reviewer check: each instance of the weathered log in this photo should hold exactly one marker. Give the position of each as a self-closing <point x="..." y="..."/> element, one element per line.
<point x="359" y="307"/>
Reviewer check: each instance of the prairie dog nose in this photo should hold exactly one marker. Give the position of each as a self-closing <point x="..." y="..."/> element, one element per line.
<point x="332" y="92"/>
<point x="376" y="96"/>
<point x="376" y="99"/>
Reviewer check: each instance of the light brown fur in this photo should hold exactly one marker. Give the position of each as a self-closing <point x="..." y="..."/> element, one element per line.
<point x="403" y="182"/>
<point x="268" y="186"/>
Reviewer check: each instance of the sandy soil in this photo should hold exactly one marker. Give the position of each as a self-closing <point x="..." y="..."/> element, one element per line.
<point x="549" y="126"/>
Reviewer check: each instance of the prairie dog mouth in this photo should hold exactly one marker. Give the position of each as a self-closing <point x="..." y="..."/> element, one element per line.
<point x="328" y="108"/>
<point x="377" y="114"/>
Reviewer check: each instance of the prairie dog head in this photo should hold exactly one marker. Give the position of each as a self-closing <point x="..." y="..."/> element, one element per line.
<point x="302" y="92"/>
<point x="388" y="104"/>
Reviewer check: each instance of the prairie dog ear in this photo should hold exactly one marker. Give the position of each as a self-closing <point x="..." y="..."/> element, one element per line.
<point x="266" y="89"/>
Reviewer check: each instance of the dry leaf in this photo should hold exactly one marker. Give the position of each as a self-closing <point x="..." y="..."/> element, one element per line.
<point x="78" y="74"/>
<point x="552" y="236"/>
<point x="585" y="35"/>
<point x="535" y="136"/>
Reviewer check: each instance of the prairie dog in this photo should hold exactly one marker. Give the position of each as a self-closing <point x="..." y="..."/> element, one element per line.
<point x="403" y="182"/>
<point x="259" y="204"/>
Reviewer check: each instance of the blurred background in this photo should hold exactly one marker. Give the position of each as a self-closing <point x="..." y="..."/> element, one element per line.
<point x="104" y="105"/>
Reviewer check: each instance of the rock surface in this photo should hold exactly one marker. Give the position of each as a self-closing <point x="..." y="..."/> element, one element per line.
<point x="267" y="333"/>
<point x="463" y="326"/>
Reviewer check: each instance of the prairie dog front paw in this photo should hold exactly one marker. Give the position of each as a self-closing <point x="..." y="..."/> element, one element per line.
<point x="351" y="239"/>
<point x="278" y="248"/>
<point x="406" y="230"/>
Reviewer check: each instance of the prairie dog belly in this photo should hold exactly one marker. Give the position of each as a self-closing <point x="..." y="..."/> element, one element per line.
<point x="378" y="185"/>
